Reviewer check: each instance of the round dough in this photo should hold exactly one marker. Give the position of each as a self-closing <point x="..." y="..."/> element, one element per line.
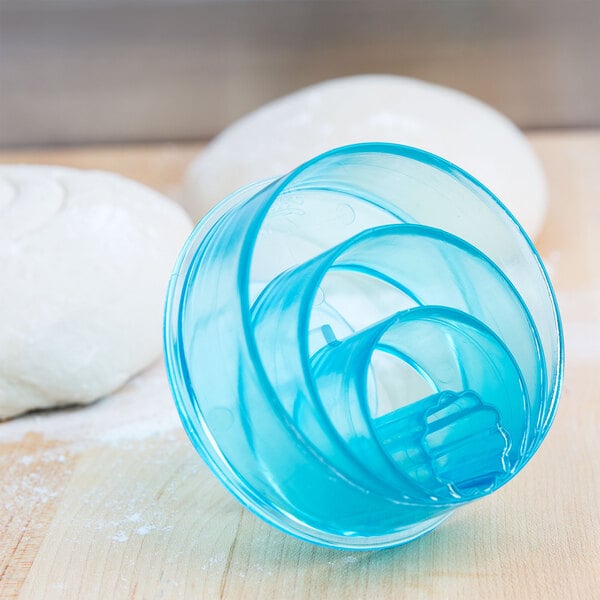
<point x="85" y="258"/>
<point x="386" y="108"/>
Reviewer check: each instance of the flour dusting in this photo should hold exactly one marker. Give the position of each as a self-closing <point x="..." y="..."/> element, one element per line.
<point x="580" y="312"/>
<point x="142" y="409"/>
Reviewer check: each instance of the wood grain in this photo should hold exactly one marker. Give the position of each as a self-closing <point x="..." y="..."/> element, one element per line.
<point x="147" y="520"/>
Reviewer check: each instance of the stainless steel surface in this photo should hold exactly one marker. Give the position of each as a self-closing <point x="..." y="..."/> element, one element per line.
<point x="74" y="71"/>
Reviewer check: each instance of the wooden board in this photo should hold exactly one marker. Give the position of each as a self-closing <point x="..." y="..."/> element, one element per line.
<point x="111" y="501"/>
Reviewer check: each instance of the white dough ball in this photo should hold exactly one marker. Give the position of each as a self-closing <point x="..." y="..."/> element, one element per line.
<point x="372" y="108"/>
<point x="85" y="259"/>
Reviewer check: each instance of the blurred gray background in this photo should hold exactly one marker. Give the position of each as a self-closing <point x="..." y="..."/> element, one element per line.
<point x="95" y="71"/>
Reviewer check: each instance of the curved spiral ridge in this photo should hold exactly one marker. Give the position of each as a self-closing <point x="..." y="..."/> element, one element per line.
<point x="362" y="345"/>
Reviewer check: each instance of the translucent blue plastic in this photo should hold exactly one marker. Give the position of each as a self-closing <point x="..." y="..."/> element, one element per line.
<point x="363" y="345"/>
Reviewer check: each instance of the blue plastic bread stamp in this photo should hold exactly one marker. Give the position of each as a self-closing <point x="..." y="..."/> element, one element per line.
<point x="363" y="345"/>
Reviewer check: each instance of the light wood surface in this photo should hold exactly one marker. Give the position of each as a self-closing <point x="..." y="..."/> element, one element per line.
<point x="93" y="506"/>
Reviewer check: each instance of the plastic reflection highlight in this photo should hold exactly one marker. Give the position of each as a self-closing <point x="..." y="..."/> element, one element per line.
<point x="363" y="345"/>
